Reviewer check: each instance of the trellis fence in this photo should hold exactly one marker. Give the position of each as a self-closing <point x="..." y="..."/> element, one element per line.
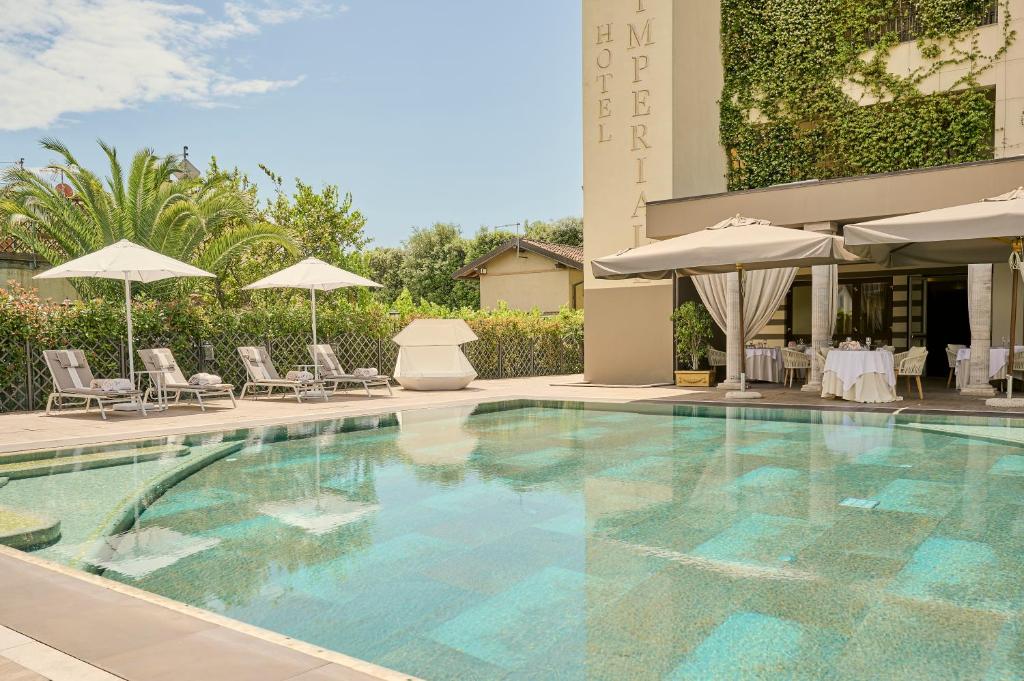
<point x="25" y="381"/>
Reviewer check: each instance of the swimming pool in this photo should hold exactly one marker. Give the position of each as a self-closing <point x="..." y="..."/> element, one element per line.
<point x="529" y="540"/>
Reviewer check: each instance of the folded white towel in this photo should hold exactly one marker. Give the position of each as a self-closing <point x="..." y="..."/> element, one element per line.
<point x="301" y="376"/>
<point x="204" y="379"/>
<point x="111" y="385"/>
<point x="364" y="373"/>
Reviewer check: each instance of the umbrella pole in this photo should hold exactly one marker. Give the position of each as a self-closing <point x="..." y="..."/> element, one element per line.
<point x="316" y="364"/>
<point x="1015" y="263"/>
<point x="128" y="320"/>
<point x="743" y="334"/>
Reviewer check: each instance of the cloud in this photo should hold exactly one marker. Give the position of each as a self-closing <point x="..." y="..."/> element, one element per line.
<point x="78" y="56"/>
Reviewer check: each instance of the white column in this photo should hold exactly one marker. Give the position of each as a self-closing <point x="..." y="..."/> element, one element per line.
<point x="979" y="290"/>
<point x="821" y="325"/>
<point x="821" y="308"/>
<point x="733" y="339"/>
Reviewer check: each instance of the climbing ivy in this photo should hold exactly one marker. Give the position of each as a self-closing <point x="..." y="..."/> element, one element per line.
<point x="809" y="93"/>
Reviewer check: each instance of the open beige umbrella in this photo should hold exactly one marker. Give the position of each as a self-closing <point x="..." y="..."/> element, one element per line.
<point x="738" y="243"/>
<point x="987" y="231"/>
<point x="127" y="262"/>
<point x="313" y="274"/>
<point x="733" y="245"/>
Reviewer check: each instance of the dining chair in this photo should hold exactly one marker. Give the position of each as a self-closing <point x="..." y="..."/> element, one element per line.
<point x="911" y="365"/>
<point x="951" y="351"/>
<point x="793" y="361"/>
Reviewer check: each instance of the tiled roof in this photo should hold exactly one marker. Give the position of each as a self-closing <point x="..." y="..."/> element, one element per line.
<point x="570" y="256"/>
<point x="573" y="253"/>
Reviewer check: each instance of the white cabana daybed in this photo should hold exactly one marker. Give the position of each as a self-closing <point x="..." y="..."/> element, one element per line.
<point x="430" y="358"/>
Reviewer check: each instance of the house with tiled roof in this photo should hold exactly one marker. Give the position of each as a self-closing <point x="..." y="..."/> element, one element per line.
<point x="528" y="274"/>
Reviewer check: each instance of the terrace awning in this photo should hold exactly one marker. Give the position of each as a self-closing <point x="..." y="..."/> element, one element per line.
<point x="980" y="232"/>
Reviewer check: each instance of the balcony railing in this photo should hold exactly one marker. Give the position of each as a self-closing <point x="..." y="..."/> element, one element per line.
<point x="905" y="22"/>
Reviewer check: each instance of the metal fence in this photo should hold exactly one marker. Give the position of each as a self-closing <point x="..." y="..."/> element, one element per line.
<point x="905" y="21"/>
<point x="25" y="381"/>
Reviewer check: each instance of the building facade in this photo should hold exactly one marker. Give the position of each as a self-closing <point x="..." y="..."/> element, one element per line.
<point x="526" y="274"/>
<point x="655" y="167"/>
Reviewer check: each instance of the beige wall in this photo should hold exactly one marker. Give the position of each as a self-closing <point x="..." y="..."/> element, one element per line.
<point x="650" y="132"/>
<point x="526" y="281"/>
<point x="22" y="273"/>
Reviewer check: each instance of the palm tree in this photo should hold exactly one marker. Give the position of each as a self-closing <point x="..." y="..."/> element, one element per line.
<point x="206" y="222"/>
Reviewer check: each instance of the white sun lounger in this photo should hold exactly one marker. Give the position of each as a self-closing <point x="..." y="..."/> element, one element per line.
<point x="72" y="380"/>
<point x="173" y="382"/>
<point x="262" y="374"/>
<point x="332" y="372"/>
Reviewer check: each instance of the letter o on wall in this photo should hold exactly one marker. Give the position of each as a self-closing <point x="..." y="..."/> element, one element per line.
<point x="604" y="58"/>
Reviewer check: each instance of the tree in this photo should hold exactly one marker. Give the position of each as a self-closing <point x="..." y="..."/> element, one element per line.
<point x="203" y="221"/>
<point x="322" y="223"/>
<point x="486" y="240"/>
<point x="432" y="256"/>
<point x="384" y="266"/>
<point x="567" y="231"/>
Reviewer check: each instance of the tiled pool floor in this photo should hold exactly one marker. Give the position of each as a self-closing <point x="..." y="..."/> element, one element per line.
<point x="603" y="543"/>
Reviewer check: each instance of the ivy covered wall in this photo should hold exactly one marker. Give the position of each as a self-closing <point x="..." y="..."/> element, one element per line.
<point x="808" y="92"/>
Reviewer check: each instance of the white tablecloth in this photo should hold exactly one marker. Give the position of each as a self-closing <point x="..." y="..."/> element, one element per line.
<point x="859" y="376"/>
<point x="998" y="358"/>
<point x="764" y="364"/>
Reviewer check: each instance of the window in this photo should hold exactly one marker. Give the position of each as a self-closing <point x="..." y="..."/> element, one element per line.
<point x="863" y="310"/>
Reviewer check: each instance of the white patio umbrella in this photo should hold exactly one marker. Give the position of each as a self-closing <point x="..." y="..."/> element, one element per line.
<point x="127" y="262"/>
<point x="987" y="231"/>
<point x="314" y="275"/>
<point x="733" y="245"/>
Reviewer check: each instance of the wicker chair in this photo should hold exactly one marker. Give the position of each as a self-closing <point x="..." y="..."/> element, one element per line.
<point x="793" y="361"/>
<point x="951" y="351"/>
<point x="911" y="365"/>
<point x="1017" y="367"/>
<point x="716" y="358"/>
<point x="820" y="355"/>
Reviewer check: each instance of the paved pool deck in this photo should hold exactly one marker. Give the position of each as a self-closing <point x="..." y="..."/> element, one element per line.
<point x="61" y="624"/>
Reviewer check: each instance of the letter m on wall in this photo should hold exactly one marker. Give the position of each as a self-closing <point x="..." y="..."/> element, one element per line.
<point x="641" y="38"/>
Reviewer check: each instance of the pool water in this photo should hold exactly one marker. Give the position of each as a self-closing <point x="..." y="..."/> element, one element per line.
<point x="533" y="540"/>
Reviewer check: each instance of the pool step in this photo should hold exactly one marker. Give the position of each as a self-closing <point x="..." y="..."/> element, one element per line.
<point x="27" y="530"/>
<point x="51" y="465"/>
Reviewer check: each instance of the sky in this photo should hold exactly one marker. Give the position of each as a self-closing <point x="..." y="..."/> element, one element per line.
<point x="464" y="111"/>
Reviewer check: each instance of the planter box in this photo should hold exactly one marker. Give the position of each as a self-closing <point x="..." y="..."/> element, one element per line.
<point x="695" y="379"/>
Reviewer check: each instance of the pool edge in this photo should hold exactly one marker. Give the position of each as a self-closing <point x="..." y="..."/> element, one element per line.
<point x="266" y="636"/>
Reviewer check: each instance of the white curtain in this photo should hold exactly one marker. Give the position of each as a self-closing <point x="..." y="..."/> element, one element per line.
<point x="763" y="292"/>
<point x="713" y="293"/>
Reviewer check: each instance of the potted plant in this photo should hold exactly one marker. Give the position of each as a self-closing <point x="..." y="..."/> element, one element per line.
<point x="692" y="325"/>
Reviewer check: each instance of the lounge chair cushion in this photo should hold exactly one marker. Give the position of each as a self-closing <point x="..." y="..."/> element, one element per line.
<point x="257" y="363"/>
<point x="364" y="373"/>
<point x="202" y="379"/>
<point x="300" y="376"/>
<point x="70" y="359"/>
<point x="98" y="392"/>
<point x="68" y="377"/>
<point x="324" y="357"/>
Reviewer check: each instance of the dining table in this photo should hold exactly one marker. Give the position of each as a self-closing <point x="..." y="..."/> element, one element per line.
<point x="764" y="364"/>
<point x="862" y="375"/>
<point x="998" y="358"/>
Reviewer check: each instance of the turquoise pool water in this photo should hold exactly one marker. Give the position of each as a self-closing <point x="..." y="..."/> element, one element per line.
<point x="570" y="541"/>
